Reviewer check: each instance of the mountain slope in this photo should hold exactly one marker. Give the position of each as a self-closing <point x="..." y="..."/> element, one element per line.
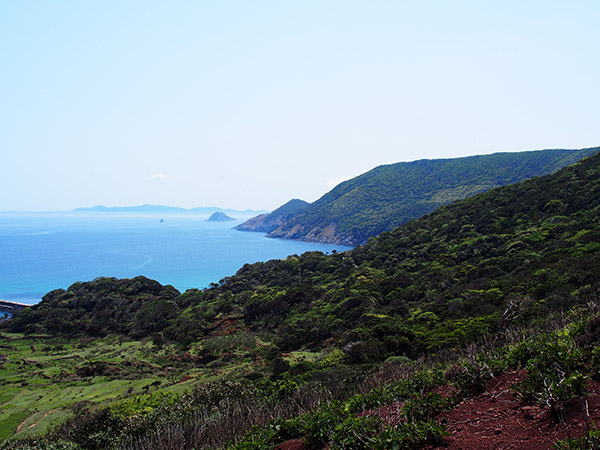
<point x="441" y="279"/>
<point x="434" y="282"/>
<point x="304" y="330"/>
<point x="269" y="222"/>
<point x="512" y="262"/>
<point x="391" y="195"/>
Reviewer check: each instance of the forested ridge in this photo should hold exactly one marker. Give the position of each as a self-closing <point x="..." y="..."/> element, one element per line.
<point x="390" y="195"/>
<point x="322" y="348"/>
<point x="268" y="222"/>
<point x="432" y="282"/>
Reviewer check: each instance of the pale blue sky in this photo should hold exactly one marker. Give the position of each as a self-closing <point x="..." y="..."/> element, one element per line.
<point x="246" y="104"/>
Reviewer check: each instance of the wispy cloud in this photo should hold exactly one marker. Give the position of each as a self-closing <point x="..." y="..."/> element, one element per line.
<point x="335" y="181"/>
<point x="158" y="176"/>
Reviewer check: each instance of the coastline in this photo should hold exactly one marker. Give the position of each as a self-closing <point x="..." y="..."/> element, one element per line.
<point x="7" y="308"/>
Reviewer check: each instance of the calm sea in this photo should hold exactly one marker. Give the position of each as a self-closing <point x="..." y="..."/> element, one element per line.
<point x="42" y="252"/>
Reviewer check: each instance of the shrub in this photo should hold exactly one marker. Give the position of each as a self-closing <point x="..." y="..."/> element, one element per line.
<point x="373" y="399"/>
<point x="423" y="407"/>
<point x="355" y="432"/>
<point x="319" y="425"/>
<point x="589" y="441"/>
<point x="275" y="432"/>
<point x="409" y="436"/>
<point x="554" y="370"/>
<point x="474" y="371"/>
<point x="41" y="444"/>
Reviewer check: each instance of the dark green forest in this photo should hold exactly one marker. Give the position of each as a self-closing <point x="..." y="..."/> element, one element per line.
<point x="519" y="260"/>
<point x="390" y="195"/>
<point x="434" y="282"/>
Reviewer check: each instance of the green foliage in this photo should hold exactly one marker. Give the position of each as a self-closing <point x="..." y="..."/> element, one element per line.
<point x="511" y="257"/>
<point x="474" y="371"/>
<point x="442" y="281"/>
<point x="370" y="400"/>
<point x="319" y="425"/>
<point x="41" y="444"/>
<point x="92" y="431"/>
<point x="589" y="441"/>
<point x="554" y="370"/>
<point x="273" y="433"/>
<point x="412" y="435"/>
<point x="351" y="423"/>
<point x="337" y="424"/>
<point x="424" y="407"/>
<point x="355" y="432"/>
<point x="336" y="357"/>
<point x="388" y="196"/>
<point x="141" y="405"/>
<point x="139" y="306"/>
<point x="10" y="423"/>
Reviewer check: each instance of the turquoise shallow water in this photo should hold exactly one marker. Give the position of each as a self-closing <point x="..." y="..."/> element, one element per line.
<point x="42" y="252"/>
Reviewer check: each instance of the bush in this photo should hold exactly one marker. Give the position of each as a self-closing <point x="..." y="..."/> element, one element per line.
<point x="424" y="407"/>
<point x="274" y="433"/>
<point x="355" y="432"/>
<point x="589" y="441"/>
<point x="320" y="424"/>
<point x="473" y="372"/>
<point x="409" y="436"/>
<point x="41" y="444"/>
<point x="554" y="370"/>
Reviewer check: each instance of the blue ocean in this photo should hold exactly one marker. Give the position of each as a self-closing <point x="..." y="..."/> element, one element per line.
<point x="44" y="251"/>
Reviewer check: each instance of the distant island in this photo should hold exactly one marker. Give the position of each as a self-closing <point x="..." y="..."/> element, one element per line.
<point x="161" y="209"/>
<point x="220" y="217"/>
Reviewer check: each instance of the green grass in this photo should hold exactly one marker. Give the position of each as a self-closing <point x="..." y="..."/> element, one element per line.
<point x="304" y="356"/>
<point x="40" y="386"/>
<point x="10" y="422"/>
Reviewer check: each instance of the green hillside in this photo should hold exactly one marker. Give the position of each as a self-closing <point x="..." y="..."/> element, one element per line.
<point x="268" y="222"/>
<point x="291" y="339"/>
<point x="457" y="267"/>
<point x="390" y="195"/>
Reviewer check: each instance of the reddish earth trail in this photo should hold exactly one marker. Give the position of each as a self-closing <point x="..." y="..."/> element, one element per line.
<point x="497" y="420"/>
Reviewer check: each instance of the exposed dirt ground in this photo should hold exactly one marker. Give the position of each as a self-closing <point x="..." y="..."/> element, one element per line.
<point x="497" y="420"/>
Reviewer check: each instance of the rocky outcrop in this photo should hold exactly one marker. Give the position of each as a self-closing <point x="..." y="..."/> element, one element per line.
<point x="322" y="235"/>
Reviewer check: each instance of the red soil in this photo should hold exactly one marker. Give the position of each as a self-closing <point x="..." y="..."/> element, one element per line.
<point x="497" y="420"/>
<point x="293" y="444"/>
<point x="226" y="326"/>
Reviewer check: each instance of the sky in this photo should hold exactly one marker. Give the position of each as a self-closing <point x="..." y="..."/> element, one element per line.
<point x="243" y="104"/>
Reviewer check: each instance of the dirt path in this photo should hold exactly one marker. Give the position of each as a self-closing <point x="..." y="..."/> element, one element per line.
<point x="496" y="420"/>
<point x="22" y="424"/>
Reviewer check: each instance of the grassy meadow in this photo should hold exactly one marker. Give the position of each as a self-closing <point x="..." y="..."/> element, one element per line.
<point x="46" y="380"/>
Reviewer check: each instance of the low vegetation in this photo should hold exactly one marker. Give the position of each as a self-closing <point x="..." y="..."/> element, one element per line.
<point x="393" y="405"/>
<point x="316" y="346"/>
